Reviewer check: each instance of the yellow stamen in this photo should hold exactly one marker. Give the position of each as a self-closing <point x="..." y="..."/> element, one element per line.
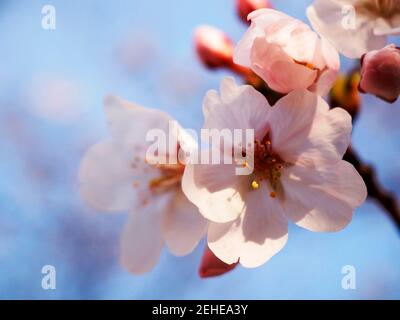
<point x="164" y="182"/>
<point x="255" y="184"/>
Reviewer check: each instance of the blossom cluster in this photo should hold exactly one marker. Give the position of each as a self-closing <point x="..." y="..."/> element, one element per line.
<point x="297" y="170"/>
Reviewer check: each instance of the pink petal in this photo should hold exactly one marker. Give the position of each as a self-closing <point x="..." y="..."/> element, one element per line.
<point x="257" y="235"/>
<point x="215" y="190"/>
<point x="183" y="226"/>
<point x="284" y="51"/>
<point x="106" y="178"/>
<point x="278" y="70"/>
<point x="323" y="199"/>
<point x="142" y="239"/>
<point x="325" y="82"/>
<point x="304" y="130"/>
<point x="261" y="19"/>
<point x="128" y="123"/>
<point x="238" y="107"/>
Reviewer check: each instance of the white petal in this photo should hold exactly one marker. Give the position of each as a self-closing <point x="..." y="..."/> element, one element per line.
<point x="129" y="123"/>
<point x="215" y="190"/>
<point x="239" y="107"/>
<point x="327" y="19"/>
<point x="261" y="19"/>
<point x="325" y="82"/>
<point x="323" y="199"/>
<point x="241" y="55"/>
<point x="304" y="130"/>
<point x="183" y="226"/>
<point x="257" y="235"/>
<point x="384" y="27"/>
<point x="106" y="178"/>
<point x="142" y="238"/>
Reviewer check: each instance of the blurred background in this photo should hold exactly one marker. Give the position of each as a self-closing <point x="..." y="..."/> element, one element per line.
<point x="52" y="83"/>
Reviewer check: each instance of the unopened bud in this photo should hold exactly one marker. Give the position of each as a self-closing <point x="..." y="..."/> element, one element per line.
<point x="213" y="47"/>
<point x="245" y="7"/>
<point x="380" y="73"/>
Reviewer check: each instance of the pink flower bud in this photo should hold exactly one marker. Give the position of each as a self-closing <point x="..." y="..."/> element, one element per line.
<point x="245" y="7"/>
<point x="213" y="47"/>
<point x="287" y="54"/>
<point x="211" y="266"/>
<point x="380" y="73"/>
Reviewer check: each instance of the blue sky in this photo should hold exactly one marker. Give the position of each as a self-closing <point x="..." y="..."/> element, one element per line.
<point x="42" y="218"/>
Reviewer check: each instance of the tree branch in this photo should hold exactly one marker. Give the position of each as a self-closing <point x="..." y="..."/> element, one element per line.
<point x="375" y="191"/>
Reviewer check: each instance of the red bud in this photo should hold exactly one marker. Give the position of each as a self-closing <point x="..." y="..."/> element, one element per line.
<point x="245" y="7"/>
<point x="213" y="47"/>
<point x="380" y="73"/>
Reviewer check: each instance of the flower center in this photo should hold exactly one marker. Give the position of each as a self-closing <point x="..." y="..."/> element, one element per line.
<point x="268" y="167"/>
<point x="380" y="8"/>
<point x="166" y="177"/>
<point x="170" y="177"/>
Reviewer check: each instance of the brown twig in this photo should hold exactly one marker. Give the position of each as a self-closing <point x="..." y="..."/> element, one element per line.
<point x="349" y="100"/>
<point x="375" y="190"/>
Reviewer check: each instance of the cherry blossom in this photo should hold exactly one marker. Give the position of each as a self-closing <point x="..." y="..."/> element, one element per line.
<point x="355" y="26"/>
<point x="286" y="53"/>
<point x="115" y="175"/>
<point x="298" y="173"/>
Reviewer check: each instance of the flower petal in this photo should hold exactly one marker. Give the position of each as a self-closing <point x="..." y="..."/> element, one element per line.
<point x="325" y="82"/>
<point x="258" y="234"/>
<point x="323" y="199"/>
<point x="304" y="130"/>
<point x="328" y="19"/>
<point x="106" y="178"/>
<point x="280" y="72"/>
<point x="128" y="123"/>
<point x="142" y="238"/>
<point x="258" y="25"/>
<point x="215" y="190"/>
<point x="183" y="226"/>
<point x="384" y="27"/>
<point x="238" y="107"/>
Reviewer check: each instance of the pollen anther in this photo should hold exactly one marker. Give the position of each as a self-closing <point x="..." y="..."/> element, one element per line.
<point x="255" y="185"/>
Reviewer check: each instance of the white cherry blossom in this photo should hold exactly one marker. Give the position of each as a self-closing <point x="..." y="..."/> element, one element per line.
<point x="115" y="176"/>
<point x="298" y="175"/>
